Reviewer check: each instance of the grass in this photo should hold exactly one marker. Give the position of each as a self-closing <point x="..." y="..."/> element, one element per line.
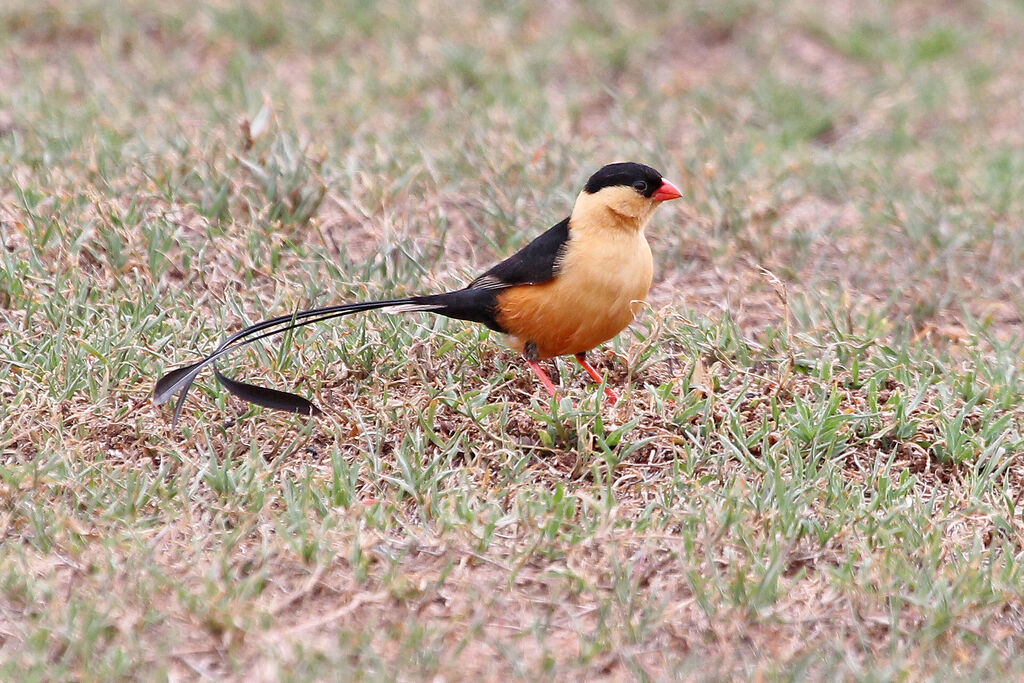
<point x="814" y="471"/>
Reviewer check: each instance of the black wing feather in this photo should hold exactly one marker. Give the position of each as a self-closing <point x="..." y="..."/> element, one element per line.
<point x="535" y="263"/>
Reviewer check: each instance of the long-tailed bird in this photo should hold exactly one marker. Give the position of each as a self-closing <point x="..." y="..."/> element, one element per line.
<point x="574" y="287"/>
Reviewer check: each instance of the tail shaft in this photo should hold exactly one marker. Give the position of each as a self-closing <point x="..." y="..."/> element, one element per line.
<point x="179" y="381"/>
<point x="474" y="304"/>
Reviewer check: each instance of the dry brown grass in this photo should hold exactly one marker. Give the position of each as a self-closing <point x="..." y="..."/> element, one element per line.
<point x="813" y="471"/>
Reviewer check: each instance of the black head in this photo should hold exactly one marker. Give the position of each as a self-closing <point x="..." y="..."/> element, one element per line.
<point x="641" y="178"/>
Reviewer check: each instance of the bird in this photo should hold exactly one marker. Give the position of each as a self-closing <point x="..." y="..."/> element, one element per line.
<point x="574" y="287"/>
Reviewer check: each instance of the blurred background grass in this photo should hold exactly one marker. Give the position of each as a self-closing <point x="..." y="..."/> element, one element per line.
<point x="173" y="170"/>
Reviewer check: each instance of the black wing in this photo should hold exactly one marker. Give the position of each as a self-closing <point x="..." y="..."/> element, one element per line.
<point x="537" y="262"/>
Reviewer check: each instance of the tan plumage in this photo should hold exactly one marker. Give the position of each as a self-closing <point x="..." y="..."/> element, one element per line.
<point x="603" y="278"/>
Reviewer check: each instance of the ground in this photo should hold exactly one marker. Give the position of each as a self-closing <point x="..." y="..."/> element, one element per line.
<point x="814" y="468"/>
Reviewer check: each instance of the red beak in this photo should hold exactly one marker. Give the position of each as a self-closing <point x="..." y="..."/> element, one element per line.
<point x="666" y="191"/>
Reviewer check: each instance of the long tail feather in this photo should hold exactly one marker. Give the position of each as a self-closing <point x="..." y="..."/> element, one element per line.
<point x="267" y="397"/>
<point x="179" y="380"/>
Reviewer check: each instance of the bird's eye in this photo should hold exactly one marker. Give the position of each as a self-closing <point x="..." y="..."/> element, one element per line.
<point x="640" y="186"/>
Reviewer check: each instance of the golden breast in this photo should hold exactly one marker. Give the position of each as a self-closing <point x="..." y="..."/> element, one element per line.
<point x="602" y="281"/>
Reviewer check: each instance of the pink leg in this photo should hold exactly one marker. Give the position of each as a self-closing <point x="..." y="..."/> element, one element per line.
<point x="582" y="360"/>
<point x="543" y="377"/>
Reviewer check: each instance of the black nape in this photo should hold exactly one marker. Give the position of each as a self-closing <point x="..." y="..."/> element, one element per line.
<point x="644" y="179"/>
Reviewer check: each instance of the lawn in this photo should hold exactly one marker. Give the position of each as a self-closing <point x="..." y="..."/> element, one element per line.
<point x="814" y="468"/>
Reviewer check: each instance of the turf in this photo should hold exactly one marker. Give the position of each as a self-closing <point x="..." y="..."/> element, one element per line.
<point x="814" y="468"/>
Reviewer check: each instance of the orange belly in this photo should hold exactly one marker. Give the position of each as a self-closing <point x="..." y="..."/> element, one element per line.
<point x="602" y="281"/>
<point x="562" y="319"/>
